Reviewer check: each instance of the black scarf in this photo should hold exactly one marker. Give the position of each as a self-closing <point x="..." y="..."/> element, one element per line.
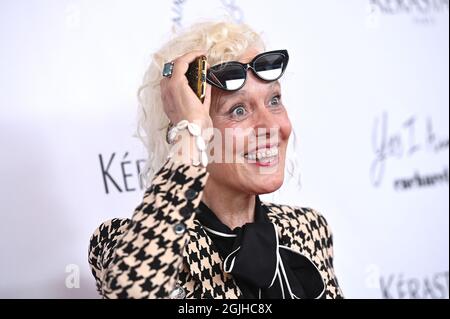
<point x="261" y="266"/>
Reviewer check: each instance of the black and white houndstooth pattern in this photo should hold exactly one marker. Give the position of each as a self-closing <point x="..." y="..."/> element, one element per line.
<point x="150" y="254"/>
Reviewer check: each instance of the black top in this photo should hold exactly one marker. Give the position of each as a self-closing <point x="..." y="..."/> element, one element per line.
<point x="261" y="266"/>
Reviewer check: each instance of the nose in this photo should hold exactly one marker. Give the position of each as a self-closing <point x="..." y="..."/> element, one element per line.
<point x="266" y="125"/>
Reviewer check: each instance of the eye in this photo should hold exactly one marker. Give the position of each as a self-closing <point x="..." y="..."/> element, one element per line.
<point x="238" y="111"/>
<point x="276" y="100"/>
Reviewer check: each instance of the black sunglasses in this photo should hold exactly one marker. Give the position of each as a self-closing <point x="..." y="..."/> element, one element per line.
<point x="231" y="76"/>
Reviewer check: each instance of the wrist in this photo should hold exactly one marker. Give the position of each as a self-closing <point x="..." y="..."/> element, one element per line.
<point x="188" y="144"/>
<point x="204" y="123"/>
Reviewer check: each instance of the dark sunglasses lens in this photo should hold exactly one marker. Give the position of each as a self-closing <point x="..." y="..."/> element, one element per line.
<point x="271" y="66"/>
<point x="228" y="76"/>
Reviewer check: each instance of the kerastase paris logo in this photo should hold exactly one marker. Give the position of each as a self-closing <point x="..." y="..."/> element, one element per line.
<point x="420" y="11"/>
<point x="403" y="285"/>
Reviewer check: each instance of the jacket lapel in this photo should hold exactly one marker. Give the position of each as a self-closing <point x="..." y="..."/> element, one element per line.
<point x="283" y="226"/>
<point x="299" y="234"/>
<point x="206" y="266"/>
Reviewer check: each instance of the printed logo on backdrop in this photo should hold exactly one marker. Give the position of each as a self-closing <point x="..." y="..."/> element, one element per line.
<point x="421" y="12"/>
<point x="401" y="286"/>
<point x="413" y="137"/>
<point x="121" y="173"/>
<point x="179" y="6"/>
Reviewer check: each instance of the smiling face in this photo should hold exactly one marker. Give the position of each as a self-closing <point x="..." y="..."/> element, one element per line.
<point x="255" y="129"/>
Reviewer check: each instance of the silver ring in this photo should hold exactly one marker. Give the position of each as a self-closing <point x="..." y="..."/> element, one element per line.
<point x="168" y="69"/>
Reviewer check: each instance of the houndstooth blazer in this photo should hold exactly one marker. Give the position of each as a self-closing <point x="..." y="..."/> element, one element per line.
<point x="163" y="251"/>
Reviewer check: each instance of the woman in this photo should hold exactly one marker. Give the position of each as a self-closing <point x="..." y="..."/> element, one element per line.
<point x="201" y="230"/>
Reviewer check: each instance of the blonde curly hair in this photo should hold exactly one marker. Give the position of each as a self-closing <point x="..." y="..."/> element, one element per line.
<point x="223" y="41"/>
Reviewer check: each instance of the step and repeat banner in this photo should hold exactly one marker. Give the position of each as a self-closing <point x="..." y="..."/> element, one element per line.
<point x="367" y="90"/>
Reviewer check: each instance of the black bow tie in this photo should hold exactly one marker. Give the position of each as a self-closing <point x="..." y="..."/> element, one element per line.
<point x="260" y="261"/>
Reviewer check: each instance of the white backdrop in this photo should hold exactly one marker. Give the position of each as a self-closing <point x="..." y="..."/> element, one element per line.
<point x="367" y="92"/>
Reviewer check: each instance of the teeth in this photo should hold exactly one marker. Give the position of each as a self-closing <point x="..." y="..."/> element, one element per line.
<point x="262" y="154"/>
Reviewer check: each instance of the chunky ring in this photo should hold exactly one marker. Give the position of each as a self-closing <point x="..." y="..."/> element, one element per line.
<point x="168" y="69"/>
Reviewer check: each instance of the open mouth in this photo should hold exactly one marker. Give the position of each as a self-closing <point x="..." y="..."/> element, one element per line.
<point x="265" y="156"/>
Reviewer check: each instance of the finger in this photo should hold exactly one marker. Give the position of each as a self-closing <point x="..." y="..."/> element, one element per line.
<point x="181" y="64"/>
<point x="207" y="100"/>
